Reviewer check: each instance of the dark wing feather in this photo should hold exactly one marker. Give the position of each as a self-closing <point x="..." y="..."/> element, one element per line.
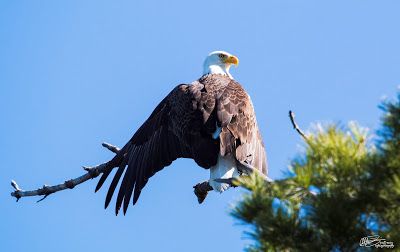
<point x="153" y="147"/>
<point x="129" y="180"/>
<point x="114" y="184"/>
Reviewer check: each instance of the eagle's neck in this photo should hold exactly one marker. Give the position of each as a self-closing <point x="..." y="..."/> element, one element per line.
<point x="216" y="69"/>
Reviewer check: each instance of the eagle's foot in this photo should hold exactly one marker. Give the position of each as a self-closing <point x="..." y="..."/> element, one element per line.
<point x="201" y="191"/>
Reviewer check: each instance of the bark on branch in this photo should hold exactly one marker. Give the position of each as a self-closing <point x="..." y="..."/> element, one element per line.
<point x="201" y="189"/>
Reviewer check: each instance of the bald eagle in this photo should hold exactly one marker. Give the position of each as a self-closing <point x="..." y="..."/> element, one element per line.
<point x="211" y="121"/>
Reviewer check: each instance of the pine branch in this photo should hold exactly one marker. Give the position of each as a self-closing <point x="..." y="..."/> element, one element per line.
<point x="46" y="190"/>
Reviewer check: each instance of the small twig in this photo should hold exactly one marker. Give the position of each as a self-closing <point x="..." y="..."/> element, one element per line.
<point x="46" y="190"/>
<point x="17" y="189"/>
<point x="110" y="147"/>
<point x="45" y="196"/>
<point x="15" y="185"/>
<point x="295" y="126"/>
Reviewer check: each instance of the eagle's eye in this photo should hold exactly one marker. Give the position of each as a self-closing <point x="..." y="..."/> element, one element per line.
<point x="221" y="56"/>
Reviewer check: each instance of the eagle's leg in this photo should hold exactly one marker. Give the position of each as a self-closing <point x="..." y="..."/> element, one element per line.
<point x="201" y="190"/>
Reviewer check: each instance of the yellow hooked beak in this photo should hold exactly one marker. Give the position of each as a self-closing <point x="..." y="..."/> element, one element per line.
<point x="232" y="60"/>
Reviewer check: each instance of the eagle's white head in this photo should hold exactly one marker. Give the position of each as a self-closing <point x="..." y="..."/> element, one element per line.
<point x="219" y="62"/>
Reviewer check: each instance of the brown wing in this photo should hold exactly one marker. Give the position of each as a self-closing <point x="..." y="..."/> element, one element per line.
<point x="240" y="134"/>
<point x="175" y="129"/>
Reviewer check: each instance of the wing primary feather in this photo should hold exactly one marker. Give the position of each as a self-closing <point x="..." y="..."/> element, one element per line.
<point x="165" y="153"/>
<point x="151" y="152"/>
<point x="131" y="184"/>
<point x="158" y="151"/>
<point x="114" y="183"/>
<point x="102" y="179"/>
<point x="127" y="177"/>
<point x="140" y="181"/>
<point x="138" y="185"/>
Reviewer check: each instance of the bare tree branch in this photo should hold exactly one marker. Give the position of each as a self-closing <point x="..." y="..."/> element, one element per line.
<point x="295" y="126"/>
<point x="201" y="189"/>
<point x="46" y="190"/>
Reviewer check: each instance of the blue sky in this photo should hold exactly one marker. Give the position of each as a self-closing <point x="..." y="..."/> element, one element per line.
<point x="76" y="73"/>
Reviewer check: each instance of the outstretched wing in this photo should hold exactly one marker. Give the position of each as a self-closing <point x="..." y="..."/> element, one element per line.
<point x="153" y="147"/>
